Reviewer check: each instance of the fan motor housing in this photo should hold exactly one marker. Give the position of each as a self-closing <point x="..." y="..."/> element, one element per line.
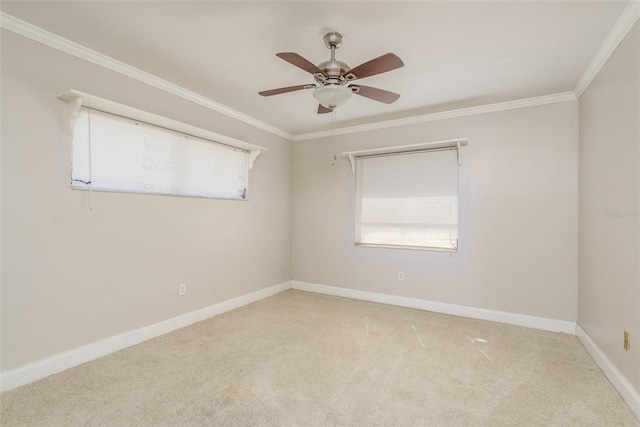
<point x="333" y="68"/>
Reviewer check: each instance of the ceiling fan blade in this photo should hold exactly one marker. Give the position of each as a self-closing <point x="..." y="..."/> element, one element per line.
<point x="379" y="65"/>
<point x="376" y="94"/>
<point x="323" y="110"/>
<point x="284" y="90"/>
<point x="299" y="61"/>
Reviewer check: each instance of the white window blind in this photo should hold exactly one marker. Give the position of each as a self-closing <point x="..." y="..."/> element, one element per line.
<point x="408" y="200"/>
<point x="113" y="153"/>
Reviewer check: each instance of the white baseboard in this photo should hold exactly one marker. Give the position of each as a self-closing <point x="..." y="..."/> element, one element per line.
<point x="440" y="307"/>
<point x="62" y="361"/>
<point x="620" y="383"/>
<point x="68" y="359"/>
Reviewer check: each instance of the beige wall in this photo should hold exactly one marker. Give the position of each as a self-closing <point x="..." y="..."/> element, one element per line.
<point x="71" y="276"/>
<point x="609" y="292"/>
<point x="518" y="215"/>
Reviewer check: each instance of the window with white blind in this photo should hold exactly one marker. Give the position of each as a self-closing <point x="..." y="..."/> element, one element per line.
<point x="113" y="153"/>
<point x="408" y="199"/>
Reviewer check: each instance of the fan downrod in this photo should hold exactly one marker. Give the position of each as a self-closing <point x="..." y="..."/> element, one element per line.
<point x="332" y="69"/>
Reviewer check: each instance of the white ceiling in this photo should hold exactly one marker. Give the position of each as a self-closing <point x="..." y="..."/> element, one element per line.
<point x="456" y="54"/>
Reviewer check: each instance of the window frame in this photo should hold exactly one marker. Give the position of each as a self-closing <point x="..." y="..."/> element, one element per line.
<point x="403" y="149"/>
<point x="77" y="100"/>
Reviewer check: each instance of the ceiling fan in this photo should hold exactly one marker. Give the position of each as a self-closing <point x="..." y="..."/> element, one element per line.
<point x="333" y="78"/>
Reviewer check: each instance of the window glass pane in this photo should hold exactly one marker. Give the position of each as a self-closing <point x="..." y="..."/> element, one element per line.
<point x="408" y="199"/>
<point x="119" y="154"/>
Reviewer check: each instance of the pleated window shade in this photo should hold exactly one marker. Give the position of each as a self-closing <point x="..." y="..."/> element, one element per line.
<point x="408" y="200"/>
<point x="113" y="153"/>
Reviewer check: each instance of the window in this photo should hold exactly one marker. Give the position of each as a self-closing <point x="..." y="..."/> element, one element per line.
<point x="113" y="153"/>
<point x="408" y="199"/>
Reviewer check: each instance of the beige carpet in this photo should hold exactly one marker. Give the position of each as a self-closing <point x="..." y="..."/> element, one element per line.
<point x="302" y="359"/>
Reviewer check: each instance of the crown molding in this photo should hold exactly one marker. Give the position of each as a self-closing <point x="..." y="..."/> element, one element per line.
<point x="470" y="111"/>
<point x="622" y="27"/>
<point x="617" y="34"/>
<point x="25" y="29"/>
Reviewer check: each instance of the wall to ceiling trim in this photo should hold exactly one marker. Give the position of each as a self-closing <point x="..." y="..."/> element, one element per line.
<point x="619" y="31"/>
<point x="462" y="112"/>
<point x="38" y="34"/>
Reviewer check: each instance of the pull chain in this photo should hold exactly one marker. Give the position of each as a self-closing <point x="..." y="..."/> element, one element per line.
<point x="90" y="167"/>
<point x="333" y="121"/>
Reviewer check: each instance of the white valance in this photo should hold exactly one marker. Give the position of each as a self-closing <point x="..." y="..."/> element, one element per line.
<point x="406" y="148"/>
<point x="77" y="99"/>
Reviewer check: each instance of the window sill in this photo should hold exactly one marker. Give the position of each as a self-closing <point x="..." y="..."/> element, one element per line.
<point x="409" y="248"/>
<point x="191" y="196"/>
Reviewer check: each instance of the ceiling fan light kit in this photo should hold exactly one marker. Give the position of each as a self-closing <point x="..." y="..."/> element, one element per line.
<point x="331" y="96"/>
<point x="333" y="78"/>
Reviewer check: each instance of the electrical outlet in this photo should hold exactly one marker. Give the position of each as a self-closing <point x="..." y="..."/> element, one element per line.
<point x="627" y="343"/>
<point x="401" y="276"/>
<point x="182" y="289"/>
